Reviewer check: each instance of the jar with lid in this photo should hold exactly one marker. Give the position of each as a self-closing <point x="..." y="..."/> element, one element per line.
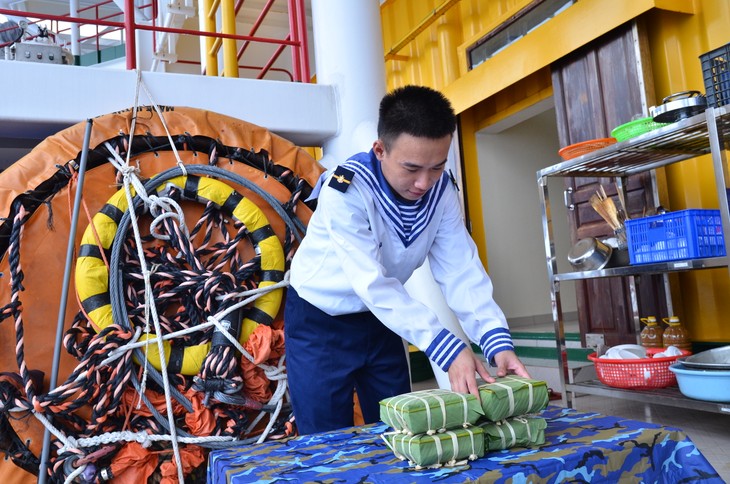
<point x="676" y="334"/>
<point x="651" y="335"/>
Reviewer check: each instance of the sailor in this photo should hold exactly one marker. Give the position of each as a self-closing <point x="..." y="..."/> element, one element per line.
<point x="379" y="216"/>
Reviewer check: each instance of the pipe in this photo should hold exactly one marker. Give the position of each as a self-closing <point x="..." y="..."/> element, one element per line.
<point x="273" y="59"/>
<point x="303" y="41"/>
<point x="45" y="453"/>
<point x="425" y="23"/>
<point x="228" y="19"/>
<point x="256" y="24"/>
<point x="75" y="31"/>
<point x="207" y="24"/>
<point x="294" y="35"/>
<point x="130" y="34"/>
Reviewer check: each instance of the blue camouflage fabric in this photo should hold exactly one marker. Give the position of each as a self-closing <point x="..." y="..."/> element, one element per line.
<point x="579" y="447"/>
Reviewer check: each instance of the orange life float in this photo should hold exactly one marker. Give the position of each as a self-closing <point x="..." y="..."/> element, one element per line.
<point x="43" y="183"/>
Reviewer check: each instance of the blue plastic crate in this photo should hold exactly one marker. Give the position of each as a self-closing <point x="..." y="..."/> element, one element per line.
<point x="684" y="234"/>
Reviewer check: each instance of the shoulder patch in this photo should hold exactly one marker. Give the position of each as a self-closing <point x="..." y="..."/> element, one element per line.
<point x="341" y="179"/>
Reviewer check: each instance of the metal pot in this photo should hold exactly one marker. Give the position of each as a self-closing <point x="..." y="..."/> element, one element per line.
<point x="589" y="254"/>
<point x="678" y="106"/>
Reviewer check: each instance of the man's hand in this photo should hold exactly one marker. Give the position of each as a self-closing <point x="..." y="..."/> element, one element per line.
<point x="463" y="370"/>
<point x="507" y="362"/>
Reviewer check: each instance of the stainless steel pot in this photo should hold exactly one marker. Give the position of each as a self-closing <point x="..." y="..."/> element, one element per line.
<point x="589" y="254"/>
<point x="678" y="106"/>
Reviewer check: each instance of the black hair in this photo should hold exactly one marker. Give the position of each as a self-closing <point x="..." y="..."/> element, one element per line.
<point x="415" y="110"/>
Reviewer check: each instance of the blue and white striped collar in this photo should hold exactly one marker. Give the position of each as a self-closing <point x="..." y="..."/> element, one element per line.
<point x="408" y="219"/>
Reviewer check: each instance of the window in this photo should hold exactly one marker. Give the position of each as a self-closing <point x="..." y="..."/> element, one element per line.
<point x="519" y="25"/>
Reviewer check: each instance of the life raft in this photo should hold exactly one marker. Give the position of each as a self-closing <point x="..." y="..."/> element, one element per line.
<point x="42" y="185"/>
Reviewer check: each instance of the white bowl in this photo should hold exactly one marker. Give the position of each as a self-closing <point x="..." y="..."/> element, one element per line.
<point x="638" y="350"/>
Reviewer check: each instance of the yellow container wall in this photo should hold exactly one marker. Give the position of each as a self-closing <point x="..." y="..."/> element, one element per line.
<point x="676" y="43"/>
<point x="679" y="32"/>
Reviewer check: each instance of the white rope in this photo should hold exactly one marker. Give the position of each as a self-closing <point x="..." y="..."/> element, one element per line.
<point x="180" y="164"/>
<point x="68" y="442"/>
<point x="143" y="438"/>
<point x="77" y="472"/>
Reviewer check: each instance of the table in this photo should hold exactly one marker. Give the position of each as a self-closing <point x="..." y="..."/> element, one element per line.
<point x="579" y="447"/>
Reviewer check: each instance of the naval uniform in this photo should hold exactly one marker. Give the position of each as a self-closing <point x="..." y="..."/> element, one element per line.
<point x="347" y="310"/>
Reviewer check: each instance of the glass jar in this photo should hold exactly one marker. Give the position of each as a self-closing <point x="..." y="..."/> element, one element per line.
<point x="676" y="335"/>
<point x="651" y="335"/>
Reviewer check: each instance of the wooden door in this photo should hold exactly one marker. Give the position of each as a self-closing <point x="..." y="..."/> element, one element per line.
<point x="596" y="89"/>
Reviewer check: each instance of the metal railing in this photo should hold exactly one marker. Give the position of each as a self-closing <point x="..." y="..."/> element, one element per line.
<point x="125" y="25"/>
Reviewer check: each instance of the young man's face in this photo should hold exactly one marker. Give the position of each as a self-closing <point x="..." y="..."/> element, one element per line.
<point x="412" y="165"/>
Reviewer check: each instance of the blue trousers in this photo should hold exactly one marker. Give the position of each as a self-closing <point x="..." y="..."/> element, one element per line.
<point x="327" y="357"/>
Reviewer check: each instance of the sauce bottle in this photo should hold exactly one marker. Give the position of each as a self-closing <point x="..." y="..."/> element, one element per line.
<point x="676" y="335"/>
<point x="651" y="335"/>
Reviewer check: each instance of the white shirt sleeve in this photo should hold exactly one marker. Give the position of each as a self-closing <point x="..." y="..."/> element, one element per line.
<point x="465" y="284"/>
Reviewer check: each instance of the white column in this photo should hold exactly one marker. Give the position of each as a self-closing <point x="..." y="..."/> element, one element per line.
<point x="348" y="49"/>
<point x="75" y="34"/>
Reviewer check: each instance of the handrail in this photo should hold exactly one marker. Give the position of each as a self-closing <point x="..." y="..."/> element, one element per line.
<point x="296" y="40"/>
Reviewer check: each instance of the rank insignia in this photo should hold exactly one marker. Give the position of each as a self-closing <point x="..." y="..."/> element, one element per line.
<point x="341" y="179"/>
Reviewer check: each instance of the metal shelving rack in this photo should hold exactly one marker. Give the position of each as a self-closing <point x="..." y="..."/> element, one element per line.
<point x="705" y="133"/>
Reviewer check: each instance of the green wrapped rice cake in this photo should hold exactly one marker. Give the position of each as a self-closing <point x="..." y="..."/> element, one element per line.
<point x="443" y="448"/>
<point x="513" y="396"/>
<point x="429" y="411"/>
<point x="513" y="432"/>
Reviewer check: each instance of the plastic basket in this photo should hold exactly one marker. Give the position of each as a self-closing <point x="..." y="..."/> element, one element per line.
<point x="584" y="147"/>
<point x="637" y="374"/>
<point x="635" y="128"/>
<point x="684" y="234"/>
<point x="716" y="74"/>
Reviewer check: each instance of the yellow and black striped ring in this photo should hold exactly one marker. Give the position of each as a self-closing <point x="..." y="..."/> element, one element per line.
<point x="92" y="275"/>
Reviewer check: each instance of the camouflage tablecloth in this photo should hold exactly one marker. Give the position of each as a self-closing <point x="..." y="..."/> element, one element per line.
<point x="579" y="447"/>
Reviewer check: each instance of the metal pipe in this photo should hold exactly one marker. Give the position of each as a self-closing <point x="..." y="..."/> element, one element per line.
<point x="206" y="23"/>
<point x="294" y="35"/>
<point x="303" y="42"/>
<point x="45" y="453"/>
<point x="75" y="34"/>
<point x="273" y="59"/>
<point x="256" y="24"/>
<point x="423" y="25"/>
<point x="228" y="19"/>
<point x="65" y="18"/>
<point x="130" y="34"/>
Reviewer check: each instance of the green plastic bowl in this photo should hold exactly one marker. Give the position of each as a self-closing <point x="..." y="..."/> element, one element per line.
<point x="635" y="128"/>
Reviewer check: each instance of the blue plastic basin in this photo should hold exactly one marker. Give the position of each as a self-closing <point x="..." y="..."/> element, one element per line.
<point x="708" y="385"/>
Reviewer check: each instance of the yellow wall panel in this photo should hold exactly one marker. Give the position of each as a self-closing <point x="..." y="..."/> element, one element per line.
<point x="676" y="43"/>
<point x="679" y="32"/>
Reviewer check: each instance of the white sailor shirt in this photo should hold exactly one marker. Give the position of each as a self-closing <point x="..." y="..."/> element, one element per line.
<point x="363" y="243"/>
